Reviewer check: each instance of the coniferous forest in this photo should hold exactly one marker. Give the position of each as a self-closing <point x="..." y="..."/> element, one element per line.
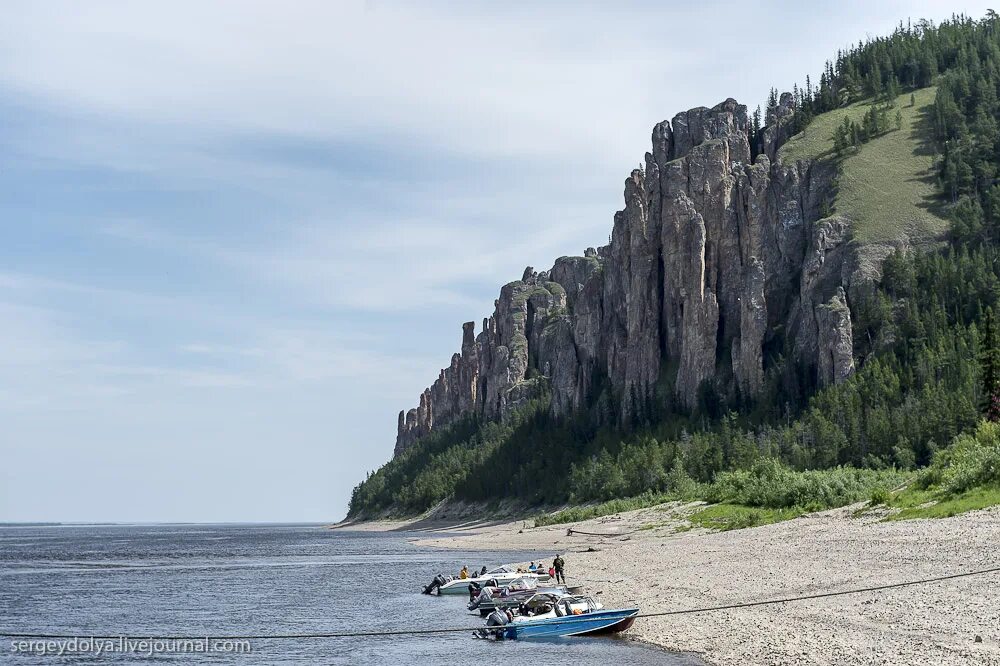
<point x="925" y="338"/>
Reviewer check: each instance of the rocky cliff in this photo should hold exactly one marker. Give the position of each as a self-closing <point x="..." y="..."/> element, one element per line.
<point x="714" y="256"/>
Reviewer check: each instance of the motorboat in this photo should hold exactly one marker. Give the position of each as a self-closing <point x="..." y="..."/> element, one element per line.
<point x="566" y="616"/>
<point x="542" y="605"/>
<point x="502" y="575"/>
<point x="514" y="594"/>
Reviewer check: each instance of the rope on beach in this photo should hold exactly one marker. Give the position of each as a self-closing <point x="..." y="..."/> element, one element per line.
<point x="447" y="630"/>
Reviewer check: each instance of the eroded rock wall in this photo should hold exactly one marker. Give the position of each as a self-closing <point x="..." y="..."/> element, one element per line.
<point x="712" y="256"/>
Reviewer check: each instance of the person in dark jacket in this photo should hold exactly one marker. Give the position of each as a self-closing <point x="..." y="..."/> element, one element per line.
<point x="560" y="566"/>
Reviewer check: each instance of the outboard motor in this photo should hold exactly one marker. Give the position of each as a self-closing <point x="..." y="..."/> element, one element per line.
<point x="435" y="584"/>
<point x="494" y="623"/>
<point x="485" y="595"/>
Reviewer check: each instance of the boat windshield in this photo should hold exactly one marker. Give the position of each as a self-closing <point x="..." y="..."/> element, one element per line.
<point x="499" y="570"/>
<point x="541" y="598"/>
<point x="521" y="584"/>
<point x="576" y="605"/>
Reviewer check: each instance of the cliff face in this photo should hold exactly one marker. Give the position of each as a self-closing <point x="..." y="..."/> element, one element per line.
<point x="712" y="257"/>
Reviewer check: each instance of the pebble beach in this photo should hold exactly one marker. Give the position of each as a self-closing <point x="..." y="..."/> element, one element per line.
<point x="651" y="558"/>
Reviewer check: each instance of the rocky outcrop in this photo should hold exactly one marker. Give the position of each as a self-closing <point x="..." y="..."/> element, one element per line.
<point x="713" y="256"/>
<point x="835" y="340"/>
<point x="777" y="125"/>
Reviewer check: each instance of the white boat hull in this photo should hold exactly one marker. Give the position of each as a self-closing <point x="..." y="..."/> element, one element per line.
<point x="461" y="586"/>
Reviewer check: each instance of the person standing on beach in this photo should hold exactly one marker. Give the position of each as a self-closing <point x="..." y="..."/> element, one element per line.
<point x="559" y="565"/>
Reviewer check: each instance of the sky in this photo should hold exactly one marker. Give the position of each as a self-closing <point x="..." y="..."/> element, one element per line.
<point x="239" y="237"/>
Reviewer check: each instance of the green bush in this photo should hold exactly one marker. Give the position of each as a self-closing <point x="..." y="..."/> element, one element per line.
<point x="770" y="484"/>
<point x="972" y="460"/>
<point x="879" y="496"/>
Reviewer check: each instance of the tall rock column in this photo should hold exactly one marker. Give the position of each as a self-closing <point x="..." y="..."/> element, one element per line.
<point x="632" y="297"/>
<point x="697" y="307"/>
<point x="748" y="362"/>
<point x="835" y="358"/>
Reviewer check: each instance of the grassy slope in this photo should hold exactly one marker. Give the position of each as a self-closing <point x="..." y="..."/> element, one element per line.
<point x="887" y="188"/>
<point x="723" y="517"/>
<point x="916" y="503"/>
<point x="586" y="512"/>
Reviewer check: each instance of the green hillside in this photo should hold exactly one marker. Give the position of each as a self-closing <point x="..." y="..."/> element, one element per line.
<point x="887" y="188"/>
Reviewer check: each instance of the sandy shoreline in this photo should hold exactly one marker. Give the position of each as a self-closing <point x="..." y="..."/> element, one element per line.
<point x="646" y="561"/>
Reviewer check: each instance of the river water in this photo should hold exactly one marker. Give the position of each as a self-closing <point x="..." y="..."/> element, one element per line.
<point x="204" y="580"/>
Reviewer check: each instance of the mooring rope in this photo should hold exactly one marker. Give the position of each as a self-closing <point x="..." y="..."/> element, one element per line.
<point x="447" y="630"/>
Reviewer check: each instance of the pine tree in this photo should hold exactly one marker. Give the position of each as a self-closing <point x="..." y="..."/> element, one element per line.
<point x="990" y="361"/>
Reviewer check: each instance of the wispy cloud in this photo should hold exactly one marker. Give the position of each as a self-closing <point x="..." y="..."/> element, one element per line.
<point x="390" y="267"/>
<point x="56" y="358"/>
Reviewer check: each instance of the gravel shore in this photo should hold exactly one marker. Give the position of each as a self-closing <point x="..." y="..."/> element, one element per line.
<point x="649" y="559"/>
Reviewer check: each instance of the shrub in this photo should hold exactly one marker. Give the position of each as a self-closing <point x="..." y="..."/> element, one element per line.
<point x="972" y="460"/>
<point x="879" y="496"/>
<point x="770" y="484"/>
<point x="679" y="483"/>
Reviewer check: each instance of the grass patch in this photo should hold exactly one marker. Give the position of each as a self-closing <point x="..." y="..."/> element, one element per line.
<point x="887" y="188"/>
<point x="576" y="514"/>
<point x="723" y="517"/>
<point x="924" y="504"/>
<point x="815" y="142"/>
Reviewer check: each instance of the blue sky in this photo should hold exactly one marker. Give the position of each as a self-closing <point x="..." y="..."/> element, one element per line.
<point x="239" y="237"/>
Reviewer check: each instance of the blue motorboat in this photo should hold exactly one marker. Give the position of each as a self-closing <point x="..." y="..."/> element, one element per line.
<point x="570" y="616"/>
<point x="516" y="594"/>
<point x="585" y="624"/>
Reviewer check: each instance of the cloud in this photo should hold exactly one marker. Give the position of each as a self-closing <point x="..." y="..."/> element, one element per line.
<point x="51" y="358"/>
<point x="343" y="68"/>
<point x="390" y="266"/>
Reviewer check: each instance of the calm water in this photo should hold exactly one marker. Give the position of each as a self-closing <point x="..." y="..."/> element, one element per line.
<point x="258" y="579"/>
